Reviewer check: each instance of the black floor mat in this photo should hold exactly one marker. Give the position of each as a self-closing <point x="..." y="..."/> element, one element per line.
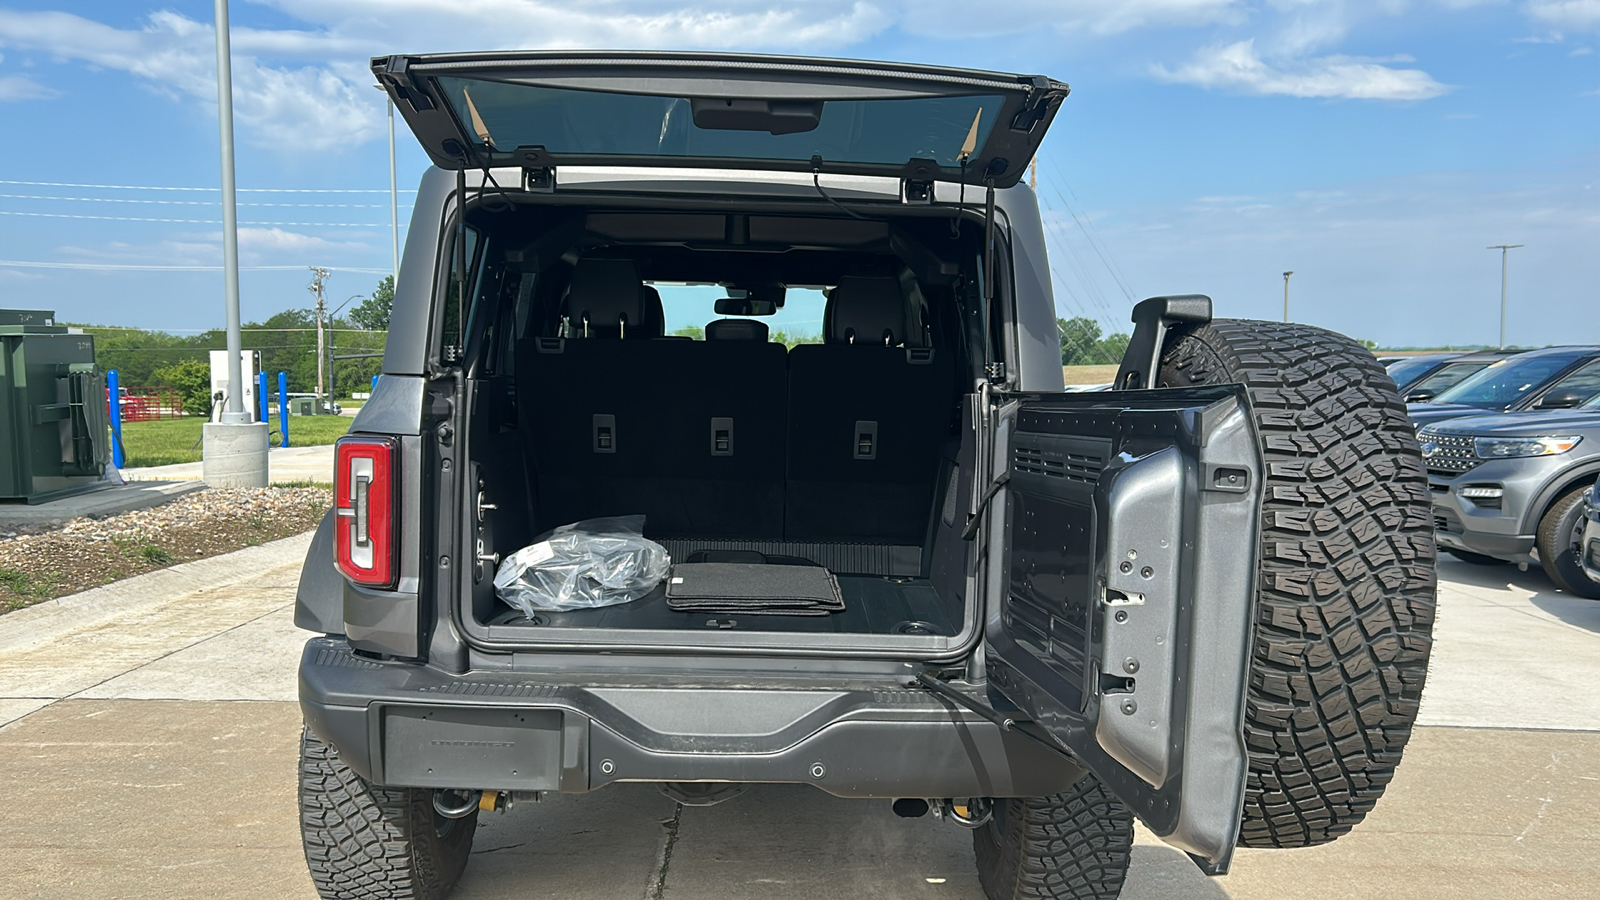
<point x="753" y="589"/>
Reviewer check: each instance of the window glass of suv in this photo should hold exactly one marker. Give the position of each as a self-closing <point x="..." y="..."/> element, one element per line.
<point x="1508" y="381"/>
<point x="602" y="123"/>
<point x="1404" y="370"/>
<point x="1448" y="376"/>
<point x="1576" y="388"/>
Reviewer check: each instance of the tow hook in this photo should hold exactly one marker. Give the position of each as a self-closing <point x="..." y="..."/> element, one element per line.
<point x="974" y="812"/>
<point x="454" y="804"/>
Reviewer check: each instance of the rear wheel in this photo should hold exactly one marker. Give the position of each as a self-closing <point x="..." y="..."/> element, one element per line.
<point x="1075" y="845"/>
<point x="1559" y="533"/>
<point x="1477" y="559"/>
<point x="1346" y="581"/>
<point x="365" y="841"/>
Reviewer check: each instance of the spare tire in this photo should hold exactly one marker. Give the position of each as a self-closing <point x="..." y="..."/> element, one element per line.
<point x="1345" y="590"/>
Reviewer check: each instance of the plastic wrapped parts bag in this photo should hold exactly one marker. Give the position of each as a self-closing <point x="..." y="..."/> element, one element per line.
<point x="585" y="565"/>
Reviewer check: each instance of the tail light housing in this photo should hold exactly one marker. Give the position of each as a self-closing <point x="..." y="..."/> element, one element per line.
<point x="366" y="510"/>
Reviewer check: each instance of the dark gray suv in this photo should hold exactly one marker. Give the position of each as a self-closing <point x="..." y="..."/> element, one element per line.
<point x="1511" y="488"/>
<point x="1203" y="598"/>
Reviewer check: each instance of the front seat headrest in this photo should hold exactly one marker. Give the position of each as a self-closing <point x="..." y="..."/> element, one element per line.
<point x="866" y="310"/>
<point x="736" y="330"/>
<point x="655" y="317"/>
<point x="609" y="295"/>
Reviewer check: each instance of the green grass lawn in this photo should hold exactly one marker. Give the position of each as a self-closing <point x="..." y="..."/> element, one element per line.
<point x="178" y="440"/>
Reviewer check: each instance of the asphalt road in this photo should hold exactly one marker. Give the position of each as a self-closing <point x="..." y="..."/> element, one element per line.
<point x="148" y="733"/>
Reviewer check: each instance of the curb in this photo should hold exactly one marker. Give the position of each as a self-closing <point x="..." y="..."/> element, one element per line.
<point x="45" y="621"/>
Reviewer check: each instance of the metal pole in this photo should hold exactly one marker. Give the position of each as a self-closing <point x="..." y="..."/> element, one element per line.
<point x="114" y="394"/>
<point x="233" y="412"/>
<point x="1286" y="296"/>
<point x="1504" y="250"/>
<point x="394" y="197"/>
<point x="283" y="408"/>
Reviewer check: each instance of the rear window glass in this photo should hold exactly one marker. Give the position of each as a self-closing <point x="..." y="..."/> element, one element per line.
<point x="1503" y="383"/>
<point x="1448" y="377"/>
<point x="599" y="123"/>
<point x="688" y="307"/>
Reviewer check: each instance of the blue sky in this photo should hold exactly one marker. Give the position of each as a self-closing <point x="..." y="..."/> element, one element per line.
<point x="1375" y="148"/>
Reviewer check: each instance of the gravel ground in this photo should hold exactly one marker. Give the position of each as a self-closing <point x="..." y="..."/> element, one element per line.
<point x="89" y="552"/>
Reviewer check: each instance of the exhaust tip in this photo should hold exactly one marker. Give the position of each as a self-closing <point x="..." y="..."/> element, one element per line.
<point x="910" y="807"/>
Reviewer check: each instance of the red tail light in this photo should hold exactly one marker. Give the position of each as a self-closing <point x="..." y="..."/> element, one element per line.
<point x="366" y="510"/>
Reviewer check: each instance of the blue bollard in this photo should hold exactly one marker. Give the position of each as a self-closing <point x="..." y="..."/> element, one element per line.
<point x="374" y="382"/>
<point x="114" y="397"/>
<point x="283" y="407"/>
<point x="261" y="394"/>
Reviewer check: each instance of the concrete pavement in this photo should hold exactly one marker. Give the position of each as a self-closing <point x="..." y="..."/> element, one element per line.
<point x="148" y="755"/>
<point x="284" y="464"/>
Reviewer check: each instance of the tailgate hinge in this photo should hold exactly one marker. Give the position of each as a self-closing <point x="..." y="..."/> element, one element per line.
<point x="397" y="77"/>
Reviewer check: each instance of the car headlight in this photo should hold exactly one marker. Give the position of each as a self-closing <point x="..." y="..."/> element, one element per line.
<point x="1508" y="447"/>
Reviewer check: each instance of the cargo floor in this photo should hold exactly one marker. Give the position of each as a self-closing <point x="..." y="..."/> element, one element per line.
<point x="872" y="605"/>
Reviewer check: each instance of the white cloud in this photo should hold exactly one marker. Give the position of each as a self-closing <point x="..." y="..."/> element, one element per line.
<point x="1575" y="15"/>
<point x="306" y="108"/>
<point x="21" y="87"/>
<point x="1239" y="67"/>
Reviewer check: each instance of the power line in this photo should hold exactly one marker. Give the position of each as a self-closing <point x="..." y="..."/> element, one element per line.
<point x="136" y="187"/>
<point x="194" y="202"/>
<point x="40" y="215"/>
<point x="120" y="267"/>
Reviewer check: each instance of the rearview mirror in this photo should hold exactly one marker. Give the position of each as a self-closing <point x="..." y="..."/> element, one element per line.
<point x="752" y="300"/>
<point x="745" y="306"/>
<point x="1561" y="398"/>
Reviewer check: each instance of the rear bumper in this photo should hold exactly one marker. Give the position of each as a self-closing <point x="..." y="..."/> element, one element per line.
<point x="406" y="725"/>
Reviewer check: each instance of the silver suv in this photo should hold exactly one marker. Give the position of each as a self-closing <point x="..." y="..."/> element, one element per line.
<point x="1203" y="598"/>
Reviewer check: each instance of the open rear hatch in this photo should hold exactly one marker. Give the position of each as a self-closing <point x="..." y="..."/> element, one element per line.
<point x="544" y="110"/>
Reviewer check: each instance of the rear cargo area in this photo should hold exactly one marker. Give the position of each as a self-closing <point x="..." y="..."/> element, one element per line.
<point x="849" y="453"/>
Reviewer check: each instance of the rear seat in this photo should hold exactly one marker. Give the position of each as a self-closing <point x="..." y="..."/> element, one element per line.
<point x="690" y="434"/>
<point x="866" y="420"/>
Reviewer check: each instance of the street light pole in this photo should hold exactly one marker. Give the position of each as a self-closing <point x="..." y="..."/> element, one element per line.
<point x="1504" y="250"/>
<point x="234" y="450"/>
<point x="1286" y="296"/>
<point x="233" y="411"/>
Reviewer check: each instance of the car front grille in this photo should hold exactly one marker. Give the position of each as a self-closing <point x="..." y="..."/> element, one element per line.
<point x="1451" y="454"/>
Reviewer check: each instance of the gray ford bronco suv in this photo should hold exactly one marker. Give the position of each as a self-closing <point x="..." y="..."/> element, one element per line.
<point x="1202" y="599"/>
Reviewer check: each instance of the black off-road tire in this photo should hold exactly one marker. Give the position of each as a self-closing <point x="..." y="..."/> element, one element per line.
<point x="368" y="842"/>
<point x="1557" y="545"/>
<point x="1346" y="582"/>
<point x="1074" y="845"/>
<point x="1477" y="559"/>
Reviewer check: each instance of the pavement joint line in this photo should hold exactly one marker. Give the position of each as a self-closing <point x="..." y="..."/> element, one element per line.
<point x="656" y="888"/>
<point x="1532" y="729"/>
<point x="75" y="695"/>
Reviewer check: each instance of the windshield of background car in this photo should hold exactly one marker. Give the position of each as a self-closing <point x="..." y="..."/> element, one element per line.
<point x="599" y="123"/>
<point x="1404" y="370"/>
<point x="1447" y="377"/>
<point x="1506" y="382"/>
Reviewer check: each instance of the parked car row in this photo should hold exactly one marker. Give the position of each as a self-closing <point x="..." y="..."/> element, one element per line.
<point x="1513" y="455"/>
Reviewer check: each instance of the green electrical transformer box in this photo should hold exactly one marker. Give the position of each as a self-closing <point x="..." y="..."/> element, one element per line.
<point x="54" y="422"/>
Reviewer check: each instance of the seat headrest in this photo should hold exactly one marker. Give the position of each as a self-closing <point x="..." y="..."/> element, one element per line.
<point x="866" y="310"/>
<point x="736" y="330"/>
<point x="655" y="317"/>
<point x="609" y="293"/>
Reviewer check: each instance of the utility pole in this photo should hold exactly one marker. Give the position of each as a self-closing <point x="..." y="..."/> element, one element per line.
<point x="1504" y="250"/>
<point x="234" y="450"/>
<point x="1286" y="296"/>
<point x="320" y="275"/>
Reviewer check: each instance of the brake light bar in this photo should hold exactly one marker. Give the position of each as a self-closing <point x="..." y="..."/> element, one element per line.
<point x="366" y="510"/>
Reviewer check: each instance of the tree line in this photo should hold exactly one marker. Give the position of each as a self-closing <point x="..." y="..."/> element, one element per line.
<point x="286" y="341"/>
<point x="1083" y="344"/>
